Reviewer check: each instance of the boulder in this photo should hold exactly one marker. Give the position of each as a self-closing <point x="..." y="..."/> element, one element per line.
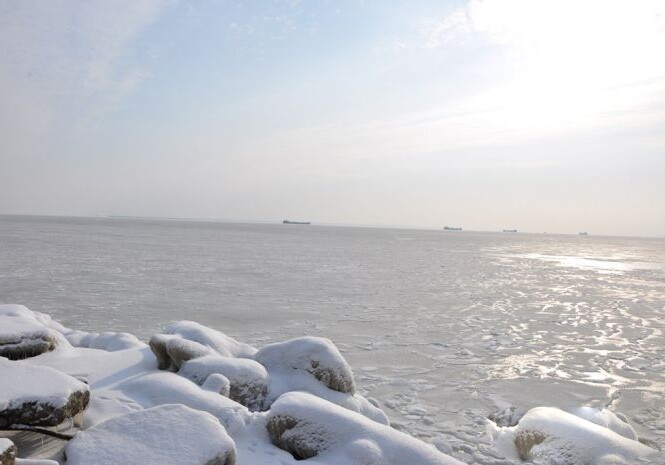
<point x="7" y="452"/>
<point x="317" y="356"/>
<point x="171" y="351"/>
<point x="291" y="434"/>
<point x="314" y="365"/>
<point x="550" y="436"/>
<point x="38" y="396"/>
<point x="166" y="435"/>
<point x="307" y="426"/>
<point x="248" y="379"/>
<point x="215" y="340"/>
<point x="22" y="335"/>
<point x="526" y="440"/>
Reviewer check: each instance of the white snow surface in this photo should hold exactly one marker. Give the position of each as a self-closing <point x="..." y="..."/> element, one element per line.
<point x="164" y="435"/>
<point x="218" y="383"/>
<point x="108" y="340"/>
<point x="158" y="387"/>
<point x="568" y="439"/>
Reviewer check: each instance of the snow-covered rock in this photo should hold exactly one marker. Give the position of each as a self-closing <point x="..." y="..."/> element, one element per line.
<point x="549" y="436"/>
<point x="7" y="452"/>
<point x="314" y="355"/>
<point x="186" y="340"/>
<point x="307" y="426"/>
<point x="164" y="435"/>
<point x="38" y="396"/>
<point x="216" y="340"/>
<point x="22" y="335"/>
<point x="314" y="365"/>
<point x="248" y="379"/>
<point x="172" y="350"/>
<point x="212" y="371"/>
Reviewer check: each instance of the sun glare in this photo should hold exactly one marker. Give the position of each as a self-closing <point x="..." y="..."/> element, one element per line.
<point x="575" y="61"/>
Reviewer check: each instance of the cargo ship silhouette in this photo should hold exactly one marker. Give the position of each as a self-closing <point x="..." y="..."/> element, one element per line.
<point x="294" y="222"/>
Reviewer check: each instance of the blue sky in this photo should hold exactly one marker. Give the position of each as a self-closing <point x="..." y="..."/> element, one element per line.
<point x="488" y="114"/>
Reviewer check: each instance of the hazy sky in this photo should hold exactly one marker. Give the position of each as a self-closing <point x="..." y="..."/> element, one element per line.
<point x="538" y="115"/>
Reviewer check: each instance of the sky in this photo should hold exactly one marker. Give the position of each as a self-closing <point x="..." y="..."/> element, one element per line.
<point x="483" y="114"/>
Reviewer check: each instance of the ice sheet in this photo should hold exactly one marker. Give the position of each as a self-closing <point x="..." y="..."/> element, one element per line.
<point x="441" y="329"/>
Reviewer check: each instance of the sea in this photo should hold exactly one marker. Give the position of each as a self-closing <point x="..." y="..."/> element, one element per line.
<point x="442" y="328"/>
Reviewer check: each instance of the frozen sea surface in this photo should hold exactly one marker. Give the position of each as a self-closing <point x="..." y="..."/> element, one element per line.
<point x="443" y="328"/>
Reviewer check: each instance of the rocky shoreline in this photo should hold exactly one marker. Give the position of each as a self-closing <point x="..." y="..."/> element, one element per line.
<point x="195" y="395"/>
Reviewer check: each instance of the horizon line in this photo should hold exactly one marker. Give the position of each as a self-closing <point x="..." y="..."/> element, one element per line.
<point x="508" y="231"/>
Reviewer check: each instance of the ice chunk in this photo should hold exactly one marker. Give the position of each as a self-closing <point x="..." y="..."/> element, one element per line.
<point x="507" y="417"/>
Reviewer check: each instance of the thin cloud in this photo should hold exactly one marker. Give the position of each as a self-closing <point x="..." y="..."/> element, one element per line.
<point x="63" y="53"/>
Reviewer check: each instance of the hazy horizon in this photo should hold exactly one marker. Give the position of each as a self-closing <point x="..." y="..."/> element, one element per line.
<point x="278" y="221"/>
<point x="487" y="115"/>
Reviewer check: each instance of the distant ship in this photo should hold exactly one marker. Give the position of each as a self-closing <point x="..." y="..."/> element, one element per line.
<point x="583" y="234"/>
<point x="450" y="228"/>
<point x="294" y="222"/>
<point x="510" y="230"/>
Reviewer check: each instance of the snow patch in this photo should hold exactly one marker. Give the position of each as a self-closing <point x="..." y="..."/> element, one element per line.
<point x="108" y="340"/>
